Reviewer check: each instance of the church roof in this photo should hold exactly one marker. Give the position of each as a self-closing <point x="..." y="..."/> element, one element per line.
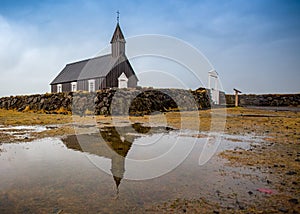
<point x="118" y="35"/>
<point x="87" y="69"/>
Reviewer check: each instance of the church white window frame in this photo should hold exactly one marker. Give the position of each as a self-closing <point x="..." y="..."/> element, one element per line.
<point x="91" y="85"/>
<point x="73" y="86"/>
<point x="59" y="88"/>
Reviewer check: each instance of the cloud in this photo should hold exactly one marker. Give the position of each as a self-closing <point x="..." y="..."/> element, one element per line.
<point x="21" y="61"/>
<point x="253" y="45"/>
<point x="29" y="60"/>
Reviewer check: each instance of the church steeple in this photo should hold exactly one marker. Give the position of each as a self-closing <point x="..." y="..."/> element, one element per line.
<point x="117" y="41"/>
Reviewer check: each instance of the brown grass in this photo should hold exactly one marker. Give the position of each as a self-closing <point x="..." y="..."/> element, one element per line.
<point x="279" y="127"/>
<point x="14" y="118"/>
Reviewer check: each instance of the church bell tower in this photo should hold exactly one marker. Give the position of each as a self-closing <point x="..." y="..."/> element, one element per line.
<point x="117" y="41"/>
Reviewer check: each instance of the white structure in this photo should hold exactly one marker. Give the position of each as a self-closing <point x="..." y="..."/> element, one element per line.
<point x="123" y="81"/>
<point x="213" y="85"/>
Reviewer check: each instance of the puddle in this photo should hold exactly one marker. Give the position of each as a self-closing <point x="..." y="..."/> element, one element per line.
<point x="24" y="128"/>
<point x="24" y="132"/>
<point x="90" y="171"/>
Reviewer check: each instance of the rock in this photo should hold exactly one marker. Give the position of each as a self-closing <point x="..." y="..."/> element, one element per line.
<point x="283" y="210"/>
<point x="294" y="201"/>
<point x="21" y="108"/>
<point x="291" y="173"/>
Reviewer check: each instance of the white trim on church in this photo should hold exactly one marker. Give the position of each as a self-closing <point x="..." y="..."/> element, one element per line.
<point x="73" y="86"/>
<point x="91" y="85"/>
<point x="123" y="81"/>
<point x="59" y="88"/>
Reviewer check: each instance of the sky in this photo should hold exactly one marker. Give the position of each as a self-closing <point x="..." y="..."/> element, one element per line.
<point x="253" y="45"/>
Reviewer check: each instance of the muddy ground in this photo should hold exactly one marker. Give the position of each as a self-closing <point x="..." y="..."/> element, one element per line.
<point x="278" y="156"/>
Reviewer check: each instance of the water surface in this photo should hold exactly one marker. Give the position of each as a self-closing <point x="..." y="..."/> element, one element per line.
<point x="51" y="174"/>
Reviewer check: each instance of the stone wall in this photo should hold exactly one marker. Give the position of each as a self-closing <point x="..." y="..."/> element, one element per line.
<point x="265" y="99"/>
<point x="111" y="101"/>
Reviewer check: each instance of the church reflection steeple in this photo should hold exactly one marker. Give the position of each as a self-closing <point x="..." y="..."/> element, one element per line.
<point x="121" y="147"/>
<point x="113" y="143"/>
<point x="109" y="145"/>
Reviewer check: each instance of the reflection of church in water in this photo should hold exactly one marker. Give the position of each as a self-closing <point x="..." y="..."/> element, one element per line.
<point x="109" y="145"/>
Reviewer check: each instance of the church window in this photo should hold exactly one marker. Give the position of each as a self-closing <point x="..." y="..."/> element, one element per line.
<point x="59" y="88"/>
<point x="91" y="85"/>
<point x="73" y="86"/>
